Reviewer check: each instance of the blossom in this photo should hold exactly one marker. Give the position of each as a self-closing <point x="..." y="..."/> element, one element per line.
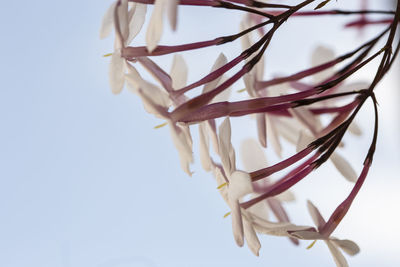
<point x="334" y="244"/>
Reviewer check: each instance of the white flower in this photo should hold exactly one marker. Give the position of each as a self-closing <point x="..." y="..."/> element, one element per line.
<point x="128" y="22"/>
<point x="334" y="244"/>
<point x="157" y="102"/>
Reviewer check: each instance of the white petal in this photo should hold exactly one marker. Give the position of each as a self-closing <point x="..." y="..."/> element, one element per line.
<point x="322" y="55"/>
<point x="239" y="184"/>
<point x="307" y="235"/>
<point x="286" y="196"/>
<point x="116" y="72"/>
<point x="123" y="19"/>
<point x="262" y="128"/>
<point x="184" y="148"/>
<point x="315" y="215"/>
<point x="133" y="78"/>
<point x="107" y="22"/>
<point x="155" y="28"/>
<point x="337" y="255"/>
<point x="205" y="158"/>
<point x="272" y="134"/>
<point x="355" y="129"/>
<point x="173" y="13"/>
<point x="253" y="157"/>
<point x="225" y="146"/>
<point x="344" y="167"/>
<point x="303" y="141"/>
<point x="249" y="80"/>
<point x="307" y="118"/>
<point x="224" y="95"/>
<point x="179" y="72"/>
<point x="251" y="237"/>
<point x="137" y="21"/>
<point x="221" y="61"/>
<point x="237" y="223"/>
<point x="347" y="246"/>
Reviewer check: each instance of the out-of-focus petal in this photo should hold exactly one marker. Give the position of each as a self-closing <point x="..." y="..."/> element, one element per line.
<point x="273" y="137"/>
<point x="315" y="214"/>
<point x="224" y="137"/>
<point x="172" y="10"/>
<point x="205" y="158"/>
<point x="116" y="72"/>
<point x="253" y="157"/>
<point x="123" y="16"/>
<point x="219" y="62"/>
<point x="347" y="246"/>
<point x="137" y="21"/>
<point x="337" y="255"/>
<point x="355" y="129"/>
<point x="179" y="72"/>
<point x="286" y="196"/>
<point x="184" y="148"/>
<point x="262" y="128"/>
<point x="107" y="22"/>
<point x="155" y="28"/>
<point x="344" y="167"/>
<point x="303" y="141"/>
<point x="322" y="55"/>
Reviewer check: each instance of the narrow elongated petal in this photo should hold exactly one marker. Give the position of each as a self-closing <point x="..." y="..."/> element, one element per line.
<point x="272" y="133"/>
<point x="322" y="55"/>
<point x="155" y="28"/>
<point x="315" y="215"/>
<point x="205" y="158"/>
<point x="344" y="167"/>
<point x="251" y="237"/>
<point x="123" y="16"/>
<point x="237" y="223"/>
<point x="262" y="128"/>
<point x="337" y="255"/>
<point x="137" y="21"/>
<point x="219" y="62"/>
<point x="179" y="72"/>
<point x="239" y="184"/>
<point x="172" y="10"/>
<point x="184" y="148"/>
<point x="347" y="246"/>
<point x="107" y="22"/>
<point x="225" y="146"/>
<point x="116" y="72"/>
<point x="355" y="129"/>
<point x="305" y="117"/>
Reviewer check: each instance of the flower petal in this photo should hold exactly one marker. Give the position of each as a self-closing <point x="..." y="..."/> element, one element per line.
<point x="205" y="158"/>
<point x="179" y="72"/>
<point x="137" y="21"/>
<point x="347" y="246"/>
<point x="319" y="56"/>
<point x="107" y="22"/>
<point x="172" y="9"/>
<point x="261" y="120"/>
<point x="337" y="255"/>
<point x="155" y="28"/>
<point x="116" y="72"/>
<point x="237" y="223"/>
<point x="253" y="157"/>
<point x="225" y="146"/>
<point x="315" y="215"/>
<point x="251" y="237"/>
<point x="184" y="148"/>
<point x="344" y="167"/>
<point x="239" y="184"/>
<point x="221" y="61"/>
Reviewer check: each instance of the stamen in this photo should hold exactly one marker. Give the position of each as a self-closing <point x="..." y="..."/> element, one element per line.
<point x="312" y="244"/>
<point x="222" y="185"/>
<point x="227" y="214"/>
<point x="160" y="125"/>
<point x="108" y="55"/>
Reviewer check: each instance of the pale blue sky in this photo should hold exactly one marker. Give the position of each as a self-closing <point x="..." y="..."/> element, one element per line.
<point x="85" y="180"/>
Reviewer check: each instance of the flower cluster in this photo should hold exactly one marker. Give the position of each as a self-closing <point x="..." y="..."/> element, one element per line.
<point x="285" y="108"/>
